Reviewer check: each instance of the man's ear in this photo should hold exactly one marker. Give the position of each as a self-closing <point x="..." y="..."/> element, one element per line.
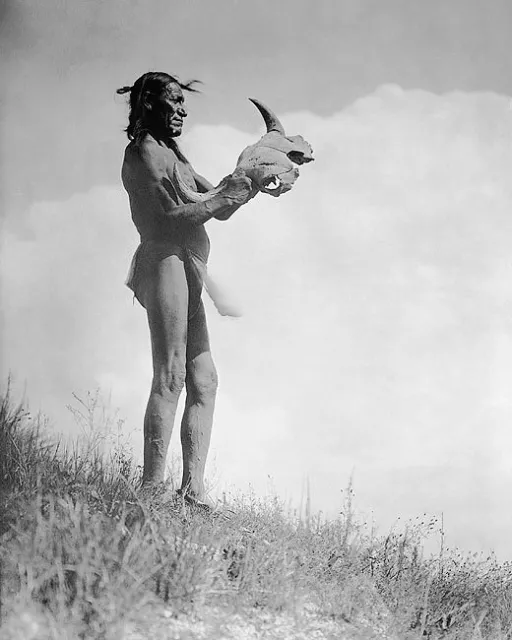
<point x="147" y="100"/>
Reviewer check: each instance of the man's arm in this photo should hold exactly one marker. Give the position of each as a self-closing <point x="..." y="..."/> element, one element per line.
<point x="203" y="185"/>
<point x="229" y="211"/>
<point x="152" y="176"/>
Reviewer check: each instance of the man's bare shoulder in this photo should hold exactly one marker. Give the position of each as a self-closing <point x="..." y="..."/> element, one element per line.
<point x="151" y="154"/>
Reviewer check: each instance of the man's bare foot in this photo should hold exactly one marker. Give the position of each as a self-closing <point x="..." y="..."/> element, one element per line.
<point x="206" y="506"/>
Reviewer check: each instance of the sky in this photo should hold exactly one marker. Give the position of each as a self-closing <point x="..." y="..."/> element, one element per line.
<point x="376" y="336"/>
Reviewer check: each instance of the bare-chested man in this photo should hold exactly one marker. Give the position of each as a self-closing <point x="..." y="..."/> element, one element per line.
<point x="167" y="275"/>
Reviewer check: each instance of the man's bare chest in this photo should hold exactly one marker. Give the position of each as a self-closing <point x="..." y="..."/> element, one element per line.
<point x="184" y="169"/>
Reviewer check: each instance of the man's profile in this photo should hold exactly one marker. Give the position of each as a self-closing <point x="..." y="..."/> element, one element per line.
<point x="167" y="275"/>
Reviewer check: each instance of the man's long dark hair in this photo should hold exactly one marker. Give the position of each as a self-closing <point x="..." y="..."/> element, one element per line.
<point x="152" y="83"/>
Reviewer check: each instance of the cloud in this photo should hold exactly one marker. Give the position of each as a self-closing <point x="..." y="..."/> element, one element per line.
<point x="377" y="298"/>
<point x="73" y="56"/>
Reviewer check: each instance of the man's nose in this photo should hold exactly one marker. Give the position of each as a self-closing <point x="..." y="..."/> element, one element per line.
<point x="182" y="111"/>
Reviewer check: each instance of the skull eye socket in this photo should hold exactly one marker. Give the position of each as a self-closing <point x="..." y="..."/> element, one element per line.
<point x="297" y="157"/>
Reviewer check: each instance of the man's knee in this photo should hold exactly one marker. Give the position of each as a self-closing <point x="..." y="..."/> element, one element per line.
<point x="202" y="382"/>
<point x="171" y="379"/>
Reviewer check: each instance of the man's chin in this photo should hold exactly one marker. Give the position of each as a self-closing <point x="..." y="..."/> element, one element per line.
<point x="175" y="129"/>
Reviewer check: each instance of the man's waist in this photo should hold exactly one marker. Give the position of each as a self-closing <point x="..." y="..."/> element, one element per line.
<point x="199" y="246"/>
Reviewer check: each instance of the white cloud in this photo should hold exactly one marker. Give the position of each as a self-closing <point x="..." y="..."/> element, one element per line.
<point x="377" y="298"/>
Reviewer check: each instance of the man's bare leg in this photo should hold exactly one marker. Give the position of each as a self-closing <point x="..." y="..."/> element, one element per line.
<point x="196" y="425"/>
<point x="166" y="302"/>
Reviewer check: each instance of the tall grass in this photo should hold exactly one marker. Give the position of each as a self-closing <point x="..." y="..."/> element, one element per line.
<point x="83" y="553"/>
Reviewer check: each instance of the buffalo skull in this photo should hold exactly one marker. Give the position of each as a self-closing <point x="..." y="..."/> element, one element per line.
<point x="269" y="163"/>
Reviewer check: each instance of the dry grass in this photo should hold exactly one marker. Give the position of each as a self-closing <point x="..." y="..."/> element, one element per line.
<point x="83" y="553"/>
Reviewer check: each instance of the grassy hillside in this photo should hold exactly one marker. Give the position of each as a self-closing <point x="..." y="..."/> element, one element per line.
<point x="83" y="554"/>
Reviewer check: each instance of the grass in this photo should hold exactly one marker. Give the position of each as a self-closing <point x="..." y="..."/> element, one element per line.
<point x="83" y="554"/>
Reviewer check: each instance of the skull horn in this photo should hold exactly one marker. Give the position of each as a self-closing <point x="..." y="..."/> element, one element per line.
<point x="271" y="120"/>
<point x="186" y="193"/>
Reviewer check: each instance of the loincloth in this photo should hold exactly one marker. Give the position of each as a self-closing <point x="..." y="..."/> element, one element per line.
<point x="143" y="269"/>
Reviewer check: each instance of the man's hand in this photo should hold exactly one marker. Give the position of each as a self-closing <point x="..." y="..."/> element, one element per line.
<point x="238" y="189"/>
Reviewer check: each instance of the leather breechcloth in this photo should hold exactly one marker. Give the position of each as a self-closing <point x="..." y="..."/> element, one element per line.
<point x="144" y="265"/>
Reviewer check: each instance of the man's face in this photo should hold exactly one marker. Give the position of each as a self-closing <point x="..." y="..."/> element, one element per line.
<point x="171" y="108"/>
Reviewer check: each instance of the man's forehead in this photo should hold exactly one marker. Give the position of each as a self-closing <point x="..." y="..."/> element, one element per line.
<point x="173" y="90"/>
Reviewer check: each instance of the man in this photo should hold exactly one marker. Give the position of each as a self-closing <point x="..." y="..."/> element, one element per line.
<point x="167" y="275"/>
